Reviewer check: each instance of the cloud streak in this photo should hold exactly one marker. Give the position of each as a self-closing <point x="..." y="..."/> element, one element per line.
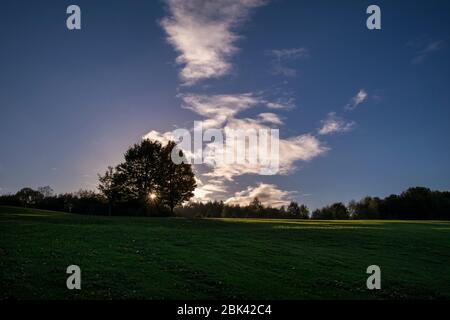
<point x="281" y="57"/>
<point x="359" y="98"/>
<point x="217" y="109"/>
<point x="334" y="124"/>
<point x="428" y="50"/>
<point x="203" y="33"/>
<point x="293" y="53"/>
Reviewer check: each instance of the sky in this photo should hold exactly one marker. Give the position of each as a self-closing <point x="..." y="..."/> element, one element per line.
<point x="360" y="112"/>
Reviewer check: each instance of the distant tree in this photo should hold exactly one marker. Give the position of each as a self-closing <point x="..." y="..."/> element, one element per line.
<point x="339" y="211"/>
<point x="229" y="211"/>
<point x="46" y="191"/>
<point x="352" y="209"/>
<point x="255" y="207"/>
<point x="9" y="200"/>
<point x="293" y="209"/>
<point x="317" y="214"/>
<point x="109" y="187"/>
<point x="68" y="201"/>
<point x="296" y="211"/>
<point x="418" y="202"/>
<point x="304" y="212"/>
<point x="28" y="196"/>
<point x="367" y="208"/>
<point x="175" y="183"/>
<point x="88" y="201"/>
<point x="213" y="209"/>
<point x="335" y="211"/>
<point x="391" y="207"/>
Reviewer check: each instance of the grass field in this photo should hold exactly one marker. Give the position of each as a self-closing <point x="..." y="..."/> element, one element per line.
<point x="175" y="258"/>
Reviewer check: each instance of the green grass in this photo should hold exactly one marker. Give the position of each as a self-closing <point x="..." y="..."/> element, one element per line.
<point x="175" y="258"/>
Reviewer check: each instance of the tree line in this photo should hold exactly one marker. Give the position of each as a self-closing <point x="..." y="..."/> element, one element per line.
<point x="416" y="203"/>
<point x="149" y="183"/>
<point x="219" y="209"/>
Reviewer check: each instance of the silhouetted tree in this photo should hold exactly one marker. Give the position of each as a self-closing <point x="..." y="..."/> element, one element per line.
<point x="335" y="211"/>
<point x="367" y="208"/>
<point x="139" y="175"/>
<point x="418" y="203"/>
<point x="296" y="211"/>
<point x="293" y="209"/>
<point x="28" y="196"/>
<point x="339" y="211"/>
<point x="109" y="187"/>
<point x="175" y="182"/>
<point x="304" y="212"/>
<point x="46" y="191"/>
<point x="255" y="208"/>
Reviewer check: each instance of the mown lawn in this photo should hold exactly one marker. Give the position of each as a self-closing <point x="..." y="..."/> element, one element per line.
<point x="175" y="258"/>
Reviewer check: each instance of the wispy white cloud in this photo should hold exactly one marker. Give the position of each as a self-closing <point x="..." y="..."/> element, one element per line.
<point x="281" y="104"/>
<point x="335" y="124"/>
<point x="268" y="117"/>
<point x="359" y="98"/>
<point x="219" y="108"/>
<point x="299" y="148"/>
<point x="203" y="33"/>
<point x="427" y="49"/>
<point x="282" y="57"/>
<point x="292" y="53"/>
<point x="280" y="70"/>
<point x="268" y="195"/>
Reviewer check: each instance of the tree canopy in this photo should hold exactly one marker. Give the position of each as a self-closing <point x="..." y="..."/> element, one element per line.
<point x="149" y="179"/>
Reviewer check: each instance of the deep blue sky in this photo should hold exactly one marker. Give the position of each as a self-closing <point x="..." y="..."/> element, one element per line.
<point x="71" y="102"/>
